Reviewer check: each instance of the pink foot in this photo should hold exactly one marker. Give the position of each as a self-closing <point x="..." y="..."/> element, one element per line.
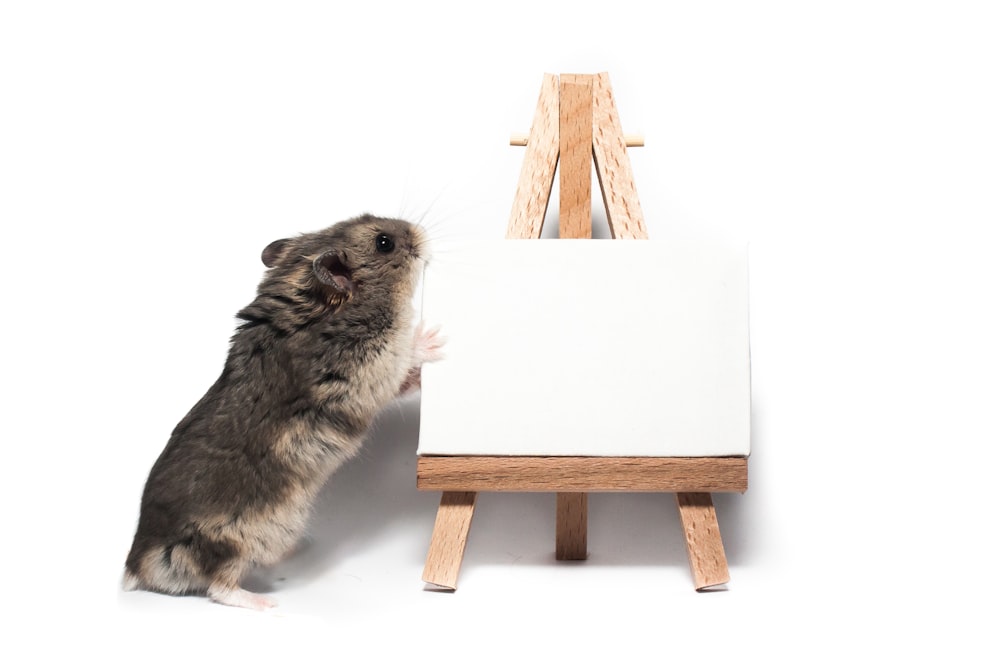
<point x="237" y="597"/>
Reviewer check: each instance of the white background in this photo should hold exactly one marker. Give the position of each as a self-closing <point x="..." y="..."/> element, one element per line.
<point x="149" y="151"/>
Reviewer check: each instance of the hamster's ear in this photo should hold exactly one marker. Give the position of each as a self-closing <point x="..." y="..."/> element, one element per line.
<point x="272" y="253"/>
<point x="331" y="270"/>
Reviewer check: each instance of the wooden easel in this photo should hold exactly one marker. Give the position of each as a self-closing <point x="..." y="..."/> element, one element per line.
<point x="575" y="119"/>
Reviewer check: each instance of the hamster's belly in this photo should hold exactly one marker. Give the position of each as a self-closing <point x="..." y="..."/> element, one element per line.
<point x="264" y="535"/>
<point x="366" y="390"/>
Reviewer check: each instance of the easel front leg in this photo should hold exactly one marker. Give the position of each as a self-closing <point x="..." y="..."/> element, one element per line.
<point x="451" y="531"/>
<point x="571" y="526"/>
<point x="704" y="541"/>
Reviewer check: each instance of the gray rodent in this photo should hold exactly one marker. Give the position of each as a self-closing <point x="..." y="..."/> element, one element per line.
<point x="325" y="345"/>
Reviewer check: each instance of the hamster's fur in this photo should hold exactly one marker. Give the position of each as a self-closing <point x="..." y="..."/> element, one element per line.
<point x="325" y="345"/>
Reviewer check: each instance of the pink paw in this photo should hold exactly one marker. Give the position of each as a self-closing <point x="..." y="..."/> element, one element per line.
<point x="427" y="345"/>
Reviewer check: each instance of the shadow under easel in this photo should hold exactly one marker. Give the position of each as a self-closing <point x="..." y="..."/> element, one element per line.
<point x="375" y="493"/>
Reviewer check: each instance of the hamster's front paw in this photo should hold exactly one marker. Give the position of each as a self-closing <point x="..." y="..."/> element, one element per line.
<point x="426" y="348"/>
<point x="427" y="344"/>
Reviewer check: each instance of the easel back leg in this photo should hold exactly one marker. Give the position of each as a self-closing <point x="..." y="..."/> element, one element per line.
<point x="571" y="526"/>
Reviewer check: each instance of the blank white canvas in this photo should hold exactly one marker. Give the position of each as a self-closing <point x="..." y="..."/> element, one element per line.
<point x="587" y="348"/>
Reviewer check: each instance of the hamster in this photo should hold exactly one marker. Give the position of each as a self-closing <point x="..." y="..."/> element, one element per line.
<point x="325" y="345"/>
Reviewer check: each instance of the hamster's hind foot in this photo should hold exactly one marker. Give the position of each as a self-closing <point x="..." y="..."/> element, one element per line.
<point x="238" y="597"/>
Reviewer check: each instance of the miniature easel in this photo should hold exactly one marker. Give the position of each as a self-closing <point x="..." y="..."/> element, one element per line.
<point x="575" y="118"/>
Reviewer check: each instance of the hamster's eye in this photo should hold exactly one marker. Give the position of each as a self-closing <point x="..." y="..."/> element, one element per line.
<point x="384" y="243"/>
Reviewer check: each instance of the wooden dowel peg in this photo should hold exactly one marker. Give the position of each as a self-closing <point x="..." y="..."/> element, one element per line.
<point x="631" y="140"/>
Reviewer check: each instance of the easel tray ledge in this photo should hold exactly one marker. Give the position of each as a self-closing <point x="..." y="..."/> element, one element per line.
<point x="582" y="473"/>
